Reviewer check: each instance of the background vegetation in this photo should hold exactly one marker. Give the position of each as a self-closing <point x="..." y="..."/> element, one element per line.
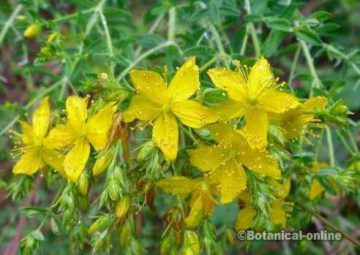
<point x="312" y="45"/>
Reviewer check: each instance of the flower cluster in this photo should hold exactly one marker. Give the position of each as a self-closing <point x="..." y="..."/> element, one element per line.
<point x="228" y="145"/>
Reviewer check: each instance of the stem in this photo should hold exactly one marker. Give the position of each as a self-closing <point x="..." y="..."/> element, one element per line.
<point x="172" y="23"/>
<point x="107" y="33"/>
<point x="244" y="43"/>
<point x="252" y="31"/>
<point x="293" y="68"/>
<point x="310" y="62"/>
<point x="9" y="22"/>
<point x="331" y="146"/>
<point x="344" y="142"/>
<point x="207" y="64"/>
<point x="219" y="45"/>
<point x="329" y="224"/>
<point x="143" y="56"/>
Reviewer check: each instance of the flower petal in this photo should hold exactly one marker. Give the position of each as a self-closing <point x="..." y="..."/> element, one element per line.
<point x="166" y="135"/>
<point x="76" y="159"/>
<point x="245" y="218"/>
<point x="224" y="134"/>
<point x="29" y="163"/>
<point x="232" y="82"/>
<point x="229" y="110"/>
<point x="256" y="127"/>
<point x="60" y="136"/>
<point x="54" y="159"/>
<point x="231" y="180"/>
<point x="207" y="158"/>
<point x="141" y="108"/>
<point x="27" y="133"/>
<point x="76" y="108"/>
<point x="315" y="103"/>
<point x="101" y="163"/>
<point x="196" y="213"/>
<point x="260" y="162"/>
<point x="98" y="126"/>
<point x="260" y="76"/>
<point x="150" y="85"/>
<point x="185" y="82"/>
<point x="316" y="189"/>
<point x="177" y="185"/>
<point x="41" y="119"/>
<point x="193" y="114"/>
<point x="277" y="101"/>
<point x="277" y="213"/>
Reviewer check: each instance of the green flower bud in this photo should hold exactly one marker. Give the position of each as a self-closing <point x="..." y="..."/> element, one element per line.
<point x="145" y="151"/>
<point x="100" y="224"/>
<point x="191" y="243"/>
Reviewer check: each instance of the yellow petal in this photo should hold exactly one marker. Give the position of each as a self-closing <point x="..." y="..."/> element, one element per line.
<point x="101" y="163"/>
<point x="232" y="82"/>
<point x="60" y="136"/>
<point x="277" y="213"/>
<point x="260" y="76"/>
<point x="54" y="159"/>
<point x="315" y="104"/>
<point x="316" y="189"/>
<point x="245" y="197"/>
<point x="76" y="108"/>
<point x="166" y="135"/>
<point x="277" y="101"/>
<point x="177" y="185"/>
<point x="223" y="133"/>
<point x="98" y="126"/>
<point x="255" y="129"/>
<point x="207" y="158"/>
<point x="231" y="180"/>
<point x="29" y="163"/>
<point x="229" y="109"/>
<point x="27" y="133"/>
<point x="150" y="85"/>
<point x="196" y="213"/>
<point x="260" y="162"/>
<point x="185" y="82"/>
<point x="141" y="108"/>
<point x="245" y="218"/>
<point x="193" y="114"/>
<point x="41" y="119"/>
<point x="76" y="159"/>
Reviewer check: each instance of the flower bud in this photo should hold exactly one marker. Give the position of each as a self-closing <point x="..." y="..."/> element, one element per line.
<point x="191" y="243"/>
<point x="145" y="151"/>
<point x="123" y="207"/>
<point x="125" y="233"/>
<point x="100" y="224"/>
<point x="52" y="37"/>
<point x="101" y="163"/>
<point x="83" y="183"/>
<point x="341" y="109"/>
<point x="32" y="31"/>
<point x="114" y="190"/>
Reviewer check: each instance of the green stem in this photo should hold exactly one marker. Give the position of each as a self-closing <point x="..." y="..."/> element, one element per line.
<point x="107" y="33"/>
<point x="143" y="56"/>
<point x="9" y="22"/>
<point x="252" y="31"/>
<point x="310" y="62"/>
<point x="293" y="68"/>
<point x="172" y="24"/>
<point x="344" y="142"/>
<point x="244" y="43"/>
<point x="219" y="44"/>
<point x="329" y="224"/>
<point x="331" y="146"/>
<point x="207" y="64"/>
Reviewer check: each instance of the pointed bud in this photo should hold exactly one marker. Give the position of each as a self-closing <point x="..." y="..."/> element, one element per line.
<point x="122" y="207"/>
<point x="32" y="31"/>
<point x="100" y="224"/>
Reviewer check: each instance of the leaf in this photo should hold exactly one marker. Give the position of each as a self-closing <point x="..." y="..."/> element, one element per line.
<point x="177" y="185"/>
<point x="279" y="24"/>
<point x="200" y="51"/>
<point x="38" y="235"/>
<point x="213" y="96"/>
<point x="33" y="210"/>
<point x="150" y="41"/>
<point x="272" y="42"/>
<point x="308" y="35"/>
<point x="327" y="185"/>
<point x="321" y="15"/>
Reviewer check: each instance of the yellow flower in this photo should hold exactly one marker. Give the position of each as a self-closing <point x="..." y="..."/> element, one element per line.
<point x="316" y="188"/>
<point x="155" y="101"/>
<point x="253" y="97"/>
<point x="202" y="201"/>
<point x="277" y="212"/>
<point x="225" y="161"/>
<point x="293" y="121"/>
<point x="35" y="154"/>
<point x="79" y="132"/>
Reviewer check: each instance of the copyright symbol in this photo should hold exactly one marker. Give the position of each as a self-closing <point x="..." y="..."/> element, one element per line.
<point x="241" y="235"/>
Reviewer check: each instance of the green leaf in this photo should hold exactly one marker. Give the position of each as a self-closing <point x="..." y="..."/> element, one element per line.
<point x="213" y="96"/>
<point x="272" y="42"/>
<point x="279" y="24"/>
<point x="327" y="185"/>
<point x="308" y="35"/>
<point x="321" y="15"/>
<point x="36" y="234"/>
<point x="150" y="41"/>
<point x="33" y="210"/>
<point x="200" y="51"/>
